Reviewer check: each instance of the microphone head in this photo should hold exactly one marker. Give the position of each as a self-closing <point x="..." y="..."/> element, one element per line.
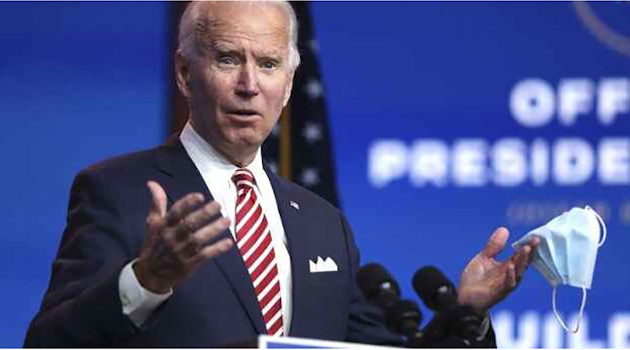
<point x="435" y="290"/>
<point x="377" y="284"/>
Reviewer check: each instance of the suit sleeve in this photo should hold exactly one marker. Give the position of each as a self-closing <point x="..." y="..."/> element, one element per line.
<point x="366" y="323"/>
<point x="82" y="307"/>
<point x="488" y="340"/>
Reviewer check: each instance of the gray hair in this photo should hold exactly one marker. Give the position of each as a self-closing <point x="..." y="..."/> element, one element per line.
<point x="187" y="38"/>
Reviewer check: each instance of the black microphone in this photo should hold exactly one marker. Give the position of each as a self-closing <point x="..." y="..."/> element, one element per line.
<point x="401" y="316"/>
<point x="451" y="319"/>
<point x="378" y="285"/>
<point x="435" y="290"/>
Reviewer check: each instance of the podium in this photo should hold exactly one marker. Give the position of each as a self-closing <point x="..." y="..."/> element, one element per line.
<point x="268" y="342"/>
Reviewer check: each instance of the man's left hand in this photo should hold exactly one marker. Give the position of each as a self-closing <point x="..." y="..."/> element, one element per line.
<point x="486" y="281"/>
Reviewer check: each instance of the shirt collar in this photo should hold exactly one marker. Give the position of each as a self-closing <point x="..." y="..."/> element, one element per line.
<point x="210" y="162"/>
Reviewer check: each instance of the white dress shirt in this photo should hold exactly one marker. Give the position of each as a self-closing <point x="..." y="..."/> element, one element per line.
<point x="216" y="171"/>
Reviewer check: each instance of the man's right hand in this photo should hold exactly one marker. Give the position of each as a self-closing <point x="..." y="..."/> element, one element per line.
<point x="176" y="240"/>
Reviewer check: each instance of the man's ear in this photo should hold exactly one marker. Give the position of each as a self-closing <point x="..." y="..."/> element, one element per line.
<point x="182" y="74"/>
<point x="287" y="92"/>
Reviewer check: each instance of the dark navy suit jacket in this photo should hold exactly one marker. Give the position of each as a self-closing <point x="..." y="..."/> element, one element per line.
<point x="217" y="306"/>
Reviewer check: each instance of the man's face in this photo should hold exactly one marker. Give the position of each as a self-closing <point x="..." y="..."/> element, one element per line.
<point x="240" y="79"/>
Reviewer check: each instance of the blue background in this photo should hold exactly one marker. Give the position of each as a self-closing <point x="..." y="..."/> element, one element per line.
<point x="79" y="82"/>
<point x="84" y="81"/>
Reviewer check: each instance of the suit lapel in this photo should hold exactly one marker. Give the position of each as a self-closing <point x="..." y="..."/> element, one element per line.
<point x="183" y="178"/>
<point x="298" y="251"/>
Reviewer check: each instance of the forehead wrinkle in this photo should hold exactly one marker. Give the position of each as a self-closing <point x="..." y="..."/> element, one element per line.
<point x="213" y="32"/>
<point x="237" y="41"/>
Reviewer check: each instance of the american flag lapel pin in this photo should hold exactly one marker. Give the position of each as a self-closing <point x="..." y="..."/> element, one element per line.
<point x="294" y="205"/>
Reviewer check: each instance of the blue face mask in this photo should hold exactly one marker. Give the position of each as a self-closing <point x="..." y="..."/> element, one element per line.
<point x="567" y="251"/>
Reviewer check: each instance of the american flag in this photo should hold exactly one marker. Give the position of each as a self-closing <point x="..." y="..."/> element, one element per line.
<point x="299" y="147"/>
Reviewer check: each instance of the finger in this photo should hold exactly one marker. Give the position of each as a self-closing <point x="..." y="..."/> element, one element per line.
<point x="218" y="248"/>
<point x="211" y="230"/>
<point x="183" y="207"/>
<point x="510" y="278"/>
<point x="158" y="199"/>
<point x="496" y="243"/>
<point x="533" y="242"/>
<point x="214" y="250"/>
<point x="521" y="260"/>
<point x="195" y="242"/>
<point x="200" y="217"/>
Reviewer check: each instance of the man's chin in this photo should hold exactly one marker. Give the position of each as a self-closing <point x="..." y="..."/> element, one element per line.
<point x="247" y="140"/>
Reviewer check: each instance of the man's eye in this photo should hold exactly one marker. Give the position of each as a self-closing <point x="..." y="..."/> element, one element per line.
<point x="227" y="60"/>
<point x="269" y="65"/>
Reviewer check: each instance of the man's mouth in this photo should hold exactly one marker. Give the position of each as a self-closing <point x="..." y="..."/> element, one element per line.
<point x="245" y="113"/>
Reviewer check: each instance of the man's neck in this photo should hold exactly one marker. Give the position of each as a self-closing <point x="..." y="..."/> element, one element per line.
<point x="240" y="157"/>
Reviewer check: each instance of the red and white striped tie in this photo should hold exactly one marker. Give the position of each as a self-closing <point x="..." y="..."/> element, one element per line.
<point x="253" y="239"/>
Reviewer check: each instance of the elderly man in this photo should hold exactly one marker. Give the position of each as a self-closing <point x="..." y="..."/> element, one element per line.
<point x="216" y="251"/>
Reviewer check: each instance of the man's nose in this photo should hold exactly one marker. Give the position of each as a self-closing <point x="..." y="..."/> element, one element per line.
<point x="247" y="85"/>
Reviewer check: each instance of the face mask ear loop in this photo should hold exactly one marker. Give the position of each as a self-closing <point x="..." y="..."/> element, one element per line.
<point x="580" y="315"/>
<point x="599" y="218"/>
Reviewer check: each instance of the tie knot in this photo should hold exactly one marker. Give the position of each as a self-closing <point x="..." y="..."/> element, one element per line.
<point x="243" y="178"/>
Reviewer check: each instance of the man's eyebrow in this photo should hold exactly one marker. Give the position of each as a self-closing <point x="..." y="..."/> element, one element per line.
<point x="273" y="56"/>
<point x="270" y="53"/>
<point x="222" y="46"/>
